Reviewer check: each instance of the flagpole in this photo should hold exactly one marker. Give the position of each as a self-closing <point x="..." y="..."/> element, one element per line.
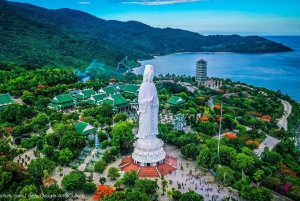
<point x="220" y="130"/>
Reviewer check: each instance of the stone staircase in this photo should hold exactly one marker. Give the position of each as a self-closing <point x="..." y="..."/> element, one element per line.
<point x="148" y="171"/>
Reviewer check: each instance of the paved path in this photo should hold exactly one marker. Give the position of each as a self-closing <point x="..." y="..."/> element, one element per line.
<point x="282" y="123"/>
<point x="268" y="142"/>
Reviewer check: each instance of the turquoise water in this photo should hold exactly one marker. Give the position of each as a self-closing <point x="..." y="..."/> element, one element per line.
<point x="276" y="71"/>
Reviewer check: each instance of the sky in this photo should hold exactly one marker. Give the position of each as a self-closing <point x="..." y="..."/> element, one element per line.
<point x="207" y="17"/>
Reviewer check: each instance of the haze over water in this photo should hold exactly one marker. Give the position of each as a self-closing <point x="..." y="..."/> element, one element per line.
<point x="276" y="71"/>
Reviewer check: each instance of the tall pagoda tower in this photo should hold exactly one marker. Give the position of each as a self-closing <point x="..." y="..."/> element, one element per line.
<point x="201" y="71"/>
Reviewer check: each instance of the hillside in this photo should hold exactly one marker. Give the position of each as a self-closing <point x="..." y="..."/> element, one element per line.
<point x="31" y="35"/>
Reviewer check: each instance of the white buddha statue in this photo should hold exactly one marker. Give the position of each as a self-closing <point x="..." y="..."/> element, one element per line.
<point x="148" y="106"/>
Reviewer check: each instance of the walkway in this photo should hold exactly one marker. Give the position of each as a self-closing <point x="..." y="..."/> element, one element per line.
<point x="282" y="123"/>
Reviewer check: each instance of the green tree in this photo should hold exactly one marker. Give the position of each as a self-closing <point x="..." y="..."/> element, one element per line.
<point x="147" y="186"/>
<point x="190" y="151"/>
<point x="113" y="173"/>
<point x="207" y="128"/>
<point x="120" y="117"/>
<point x="227" y="155"/>
<point x="119" y="183"/>
<point x="127" y="195"/>
<point x="169" y="194"/>
<point x="271" y="157"/>
<point x="28" y="191"/>
<point x="261" y="194"/>
<point x="122" y="137"/>
<point x="54" y="193"/>
<point x="164" y="185"/>
<point x="108" y="156"/>
<point x="65" y="156"/>
<point x="102" y="180"/>
<point x="48" y="150"/>
<point x="74" y="180"/>
<point x="226" y="175"/>
<point x="130" y="177"/>
<point x="89" y="187"/>
<point x="40" y="121"/>
<point x="176" y="195"/>
<point x="207" y="158"/>
<point x="191" y="196"/>
<point x="53" y="139"/>
<point x="39" y="144"/>
<point x="258" y="176"/>
<point x="38" y="165"/>
<point x="243" y="161"/>
<point x="72" y="140"/>
<point x="100" y="166"/>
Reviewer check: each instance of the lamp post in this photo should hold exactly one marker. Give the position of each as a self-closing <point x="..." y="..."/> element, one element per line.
<point x="220" y="130"/>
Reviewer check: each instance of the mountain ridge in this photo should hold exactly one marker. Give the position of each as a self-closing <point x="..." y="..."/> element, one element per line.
<point x="85" y="37"/>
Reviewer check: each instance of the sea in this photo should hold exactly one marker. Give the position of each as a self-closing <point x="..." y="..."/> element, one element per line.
<point x="276" y="71"/>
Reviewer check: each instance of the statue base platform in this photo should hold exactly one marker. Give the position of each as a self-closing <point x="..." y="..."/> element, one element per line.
<point x="168" y="165"/>
<point x="148" y="151"/>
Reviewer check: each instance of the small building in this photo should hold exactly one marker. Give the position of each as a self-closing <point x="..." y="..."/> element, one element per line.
<point x="97" y="99"/>
<point x="62" y="102"/>
<point x="175" y="101"/>
<point x="85" y="128"/>
<point x="118" y="102"/>
<point x="84" y="94"/>
<point x="5" y="99"/>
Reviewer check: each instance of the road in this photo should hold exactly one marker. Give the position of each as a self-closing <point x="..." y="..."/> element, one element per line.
<point x="282" y="123"/>
<point x="268" y="142"/>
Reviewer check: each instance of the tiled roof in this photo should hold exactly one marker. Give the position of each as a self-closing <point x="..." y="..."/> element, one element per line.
<point x="96" y="99"/>
<point x="5" y="99"/>
<point x="88" y="93"/>
<point x="109" y="90"/>
<point x="175" y="100"/>
<point x="84" y="128"/>
<point x="118" y="99"/>
<point x="131" y="88"/>
<point x="62" y="98"/>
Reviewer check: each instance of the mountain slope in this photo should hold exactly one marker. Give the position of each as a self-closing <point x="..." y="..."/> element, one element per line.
<point x="74" y="38"/>
<point x="34" y="43"/>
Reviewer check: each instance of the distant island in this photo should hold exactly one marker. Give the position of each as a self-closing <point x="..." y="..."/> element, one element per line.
<point x="35" y="37"/>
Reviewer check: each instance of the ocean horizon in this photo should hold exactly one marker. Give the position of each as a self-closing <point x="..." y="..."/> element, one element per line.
<point x="276" y="71"/>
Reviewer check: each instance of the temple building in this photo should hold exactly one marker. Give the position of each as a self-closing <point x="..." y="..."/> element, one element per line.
<point x="118" y="103"/>
<point x="84" y="94"/>
<point x="61" y="102"/>
<point x="213" y="84"/>
<point x="201" y="71"/>
<point x="108" y="90"/>
<point x="5" y="99"/>
<point x="96" y="99"/>
<point x="175" y="101"/>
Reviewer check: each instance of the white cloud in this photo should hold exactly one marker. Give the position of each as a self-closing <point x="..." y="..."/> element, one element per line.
<point x="84" y="2"/>
<point x="155" y="2"/>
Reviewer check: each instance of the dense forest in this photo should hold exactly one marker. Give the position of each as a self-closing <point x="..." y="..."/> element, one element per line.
<point x="36" y="37"/>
